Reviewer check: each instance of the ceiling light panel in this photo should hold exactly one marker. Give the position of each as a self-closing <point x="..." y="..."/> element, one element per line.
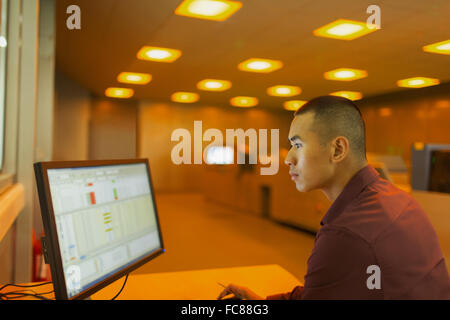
<point x="417" y="82"/>
<point x="352" y="95"/>
<point x="283" y="91"/>
<point x="442" y="47"/>
<point x="158" y="54"/>
<point x="185" y="97"/>
<point x="345" y="74"/>
<point x="134" y="77"/>
<point x="114" y="92"/>
<point x="260" y="65"/>
<point x="214" y="85"/>
<point x="344" y="29"/>
<point x="244" y="102"/>
<point x="218" y="10"/>
<point x="293" y="105"/>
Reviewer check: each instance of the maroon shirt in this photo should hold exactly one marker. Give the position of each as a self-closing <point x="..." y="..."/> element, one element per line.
<point x="374" y="223"/>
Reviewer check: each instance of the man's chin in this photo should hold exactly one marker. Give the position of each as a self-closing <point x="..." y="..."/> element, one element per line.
<point x="301" y="187"/>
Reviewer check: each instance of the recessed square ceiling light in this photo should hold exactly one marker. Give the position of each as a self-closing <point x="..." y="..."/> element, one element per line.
<point x="352" y="95"/>
<point x="185" y="97"/>
<point x="158" y="54"/>
<point x="218" y="10"/>
<point x="114" y="92"/>
<point x="134" y="77"/>
<point x="293" y="105"/>
<point x="417" y="82"/>
<point x="442" y="47"/>
<point x="245" y="102"/>
<point x="260" y="65"/>
<point x="283" y="91"/>
<point x="345" y="74"/>
<point x="214" y="85"/>
<point x="344" y="29"/>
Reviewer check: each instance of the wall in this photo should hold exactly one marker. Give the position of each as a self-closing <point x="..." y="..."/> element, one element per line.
<point x="88" y="127"/>
<point x="395" y="121"/>
<point x="72" y="116"/>
<point x="157" y="121"/>
<point x="112" y="130"/>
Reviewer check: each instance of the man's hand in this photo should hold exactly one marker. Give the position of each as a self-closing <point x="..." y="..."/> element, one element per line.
<point x="240" y="292"/>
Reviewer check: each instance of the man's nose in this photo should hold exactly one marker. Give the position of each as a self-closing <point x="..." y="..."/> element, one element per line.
<point x="290" y="160"/>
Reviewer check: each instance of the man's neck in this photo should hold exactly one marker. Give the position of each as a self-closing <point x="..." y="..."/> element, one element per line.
<point x="342" y="178"/>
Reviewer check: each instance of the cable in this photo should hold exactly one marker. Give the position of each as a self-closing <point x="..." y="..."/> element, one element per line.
<point x="25" y="285"/>
<point x="12" y="296"/>
<point x="22" y="293"/>
<point x="121" y="288"/>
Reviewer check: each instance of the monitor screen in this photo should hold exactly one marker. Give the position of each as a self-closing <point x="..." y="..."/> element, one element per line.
<point x="100" y="222"/>
<point x="440" y="171"/>
<point x="220" y="155"/>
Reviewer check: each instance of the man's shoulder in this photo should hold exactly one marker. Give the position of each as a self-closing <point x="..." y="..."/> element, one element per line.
<point x="382" y="197"/>
<point x="377" y="208"/>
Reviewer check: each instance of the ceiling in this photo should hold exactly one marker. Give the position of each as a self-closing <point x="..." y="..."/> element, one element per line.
<point x="112" y="32"/>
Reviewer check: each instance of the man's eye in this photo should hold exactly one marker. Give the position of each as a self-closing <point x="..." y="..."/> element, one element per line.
<point x="297" y="145"/>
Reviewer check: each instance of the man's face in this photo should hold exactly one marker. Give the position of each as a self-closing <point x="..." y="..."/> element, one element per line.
<point x="309" y="162"/>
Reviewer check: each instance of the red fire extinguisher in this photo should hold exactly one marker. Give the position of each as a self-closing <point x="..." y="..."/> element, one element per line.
<point x="41" y="270"/>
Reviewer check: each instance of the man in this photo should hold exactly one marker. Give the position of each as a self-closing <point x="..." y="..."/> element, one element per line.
<point x="375" y="242"/>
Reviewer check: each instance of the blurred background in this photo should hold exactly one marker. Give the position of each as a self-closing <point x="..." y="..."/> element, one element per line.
<point x="98" y="80"/>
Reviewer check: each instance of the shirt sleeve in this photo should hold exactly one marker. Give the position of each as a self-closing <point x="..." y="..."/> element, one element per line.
<point x="337" y="267"/>
<point x="295" y="294"/>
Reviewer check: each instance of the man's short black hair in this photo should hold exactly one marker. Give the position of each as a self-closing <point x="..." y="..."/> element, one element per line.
<point x="337" y="116"/>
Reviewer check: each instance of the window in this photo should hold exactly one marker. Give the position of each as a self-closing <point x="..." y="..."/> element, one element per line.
<point x="3" y="45"/>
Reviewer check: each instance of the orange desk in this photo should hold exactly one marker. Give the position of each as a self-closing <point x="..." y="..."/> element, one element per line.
<point x="197" y="284"/>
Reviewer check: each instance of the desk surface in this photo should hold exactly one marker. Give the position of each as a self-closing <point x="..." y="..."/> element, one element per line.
<point x="196" y="284"/>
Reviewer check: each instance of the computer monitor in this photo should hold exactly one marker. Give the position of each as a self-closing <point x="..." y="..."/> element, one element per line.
<point x="421" y="164"/>
<point x="100" y="222"/>
<point x="440" y="171"/>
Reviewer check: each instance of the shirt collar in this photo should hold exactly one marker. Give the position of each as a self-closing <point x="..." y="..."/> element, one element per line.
<point x="356" y="184"/>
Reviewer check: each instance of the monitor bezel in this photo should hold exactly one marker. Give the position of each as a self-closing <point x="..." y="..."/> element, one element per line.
<point x="49" y="223"/>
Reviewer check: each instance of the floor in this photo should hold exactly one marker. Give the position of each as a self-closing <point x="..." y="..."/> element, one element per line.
<point x="198" y="234"/>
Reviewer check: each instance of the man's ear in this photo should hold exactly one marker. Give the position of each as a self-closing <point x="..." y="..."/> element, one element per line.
<point x="340" y="149"/>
